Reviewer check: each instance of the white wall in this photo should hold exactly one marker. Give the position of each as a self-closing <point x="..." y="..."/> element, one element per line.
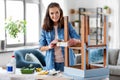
<point x="114" y="19"/>
<point x="119" y="21"/>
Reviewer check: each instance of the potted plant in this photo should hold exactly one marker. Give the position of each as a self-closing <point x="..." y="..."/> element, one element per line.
<point x="106" y="10"/>
<point x="15" y="27"/>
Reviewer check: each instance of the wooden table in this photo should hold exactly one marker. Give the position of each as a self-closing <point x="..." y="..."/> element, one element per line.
<point x="18" y="76"/>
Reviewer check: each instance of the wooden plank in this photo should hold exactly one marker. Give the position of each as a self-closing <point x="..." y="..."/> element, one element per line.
<point x="77" y="48"/>
<point x="87" y="28"/>
<point x="87" y="33"/>
<point x="66" y="38"/>
<point x="78" y="66"/>
<point x="83" y="67"/>
<point x="105" y="36"/>
<point x="95" y="66"/>
<point x="100" y="45"/>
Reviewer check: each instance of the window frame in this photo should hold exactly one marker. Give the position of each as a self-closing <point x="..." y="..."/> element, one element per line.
<point x="37" y="2"/>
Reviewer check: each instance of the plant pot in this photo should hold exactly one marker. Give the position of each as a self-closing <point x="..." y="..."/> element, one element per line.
<point x="107" y="11"/>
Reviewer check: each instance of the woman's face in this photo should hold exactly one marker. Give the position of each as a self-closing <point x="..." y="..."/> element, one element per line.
<point x="54" y="14"/>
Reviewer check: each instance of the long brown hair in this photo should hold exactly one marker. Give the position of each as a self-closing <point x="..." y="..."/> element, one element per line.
<point x="48" y="23"/>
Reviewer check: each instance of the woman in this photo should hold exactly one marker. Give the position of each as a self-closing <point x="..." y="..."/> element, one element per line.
<point x="52" y="32"/>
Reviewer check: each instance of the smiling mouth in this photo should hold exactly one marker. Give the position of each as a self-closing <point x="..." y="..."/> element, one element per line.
<point x="55" y="19"/>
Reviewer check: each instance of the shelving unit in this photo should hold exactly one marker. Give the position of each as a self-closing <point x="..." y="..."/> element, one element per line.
<point x="85" y="70"/>
<point x="98" y="15"/>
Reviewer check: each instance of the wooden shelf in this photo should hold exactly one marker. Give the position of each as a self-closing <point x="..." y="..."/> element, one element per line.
<point x="91" y="66"/>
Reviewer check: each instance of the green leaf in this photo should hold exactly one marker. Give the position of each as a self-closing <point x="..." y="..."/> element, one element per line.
<point x="106" y="7"/>
<point x="15" y="27"/>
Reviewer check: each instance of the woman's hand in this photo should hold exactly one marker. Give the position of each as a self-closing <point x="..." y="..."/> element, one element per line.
<point x="73" y="42"/>
<point x="53" y="44"/>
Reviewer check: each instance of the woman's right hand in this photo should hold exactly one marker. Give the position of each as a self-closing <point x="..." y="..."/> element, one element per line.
<point x="73" y="42"/>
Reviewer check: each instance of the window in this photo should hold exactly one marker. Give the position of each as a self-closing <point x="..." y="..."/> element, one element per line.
<point x="2" y="17"/>
<point x="32" y="18"/>
<point x="14" y="9"/>
<point x="20" y="10"/>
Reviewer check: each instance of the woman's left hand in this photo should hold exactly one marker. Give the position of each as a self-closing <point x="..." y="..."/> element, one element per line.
<point x="73" y="42"/>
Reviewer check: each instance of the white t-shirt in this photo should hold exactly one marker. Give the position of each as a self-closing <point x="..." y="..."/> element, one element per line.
<point x="58" y="51"/>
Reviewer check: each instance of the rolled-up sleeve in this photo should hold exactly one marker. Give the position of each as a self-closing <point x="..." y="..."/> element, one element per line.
<point x="72" y="32"/>
<point x="42" y="40"/>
